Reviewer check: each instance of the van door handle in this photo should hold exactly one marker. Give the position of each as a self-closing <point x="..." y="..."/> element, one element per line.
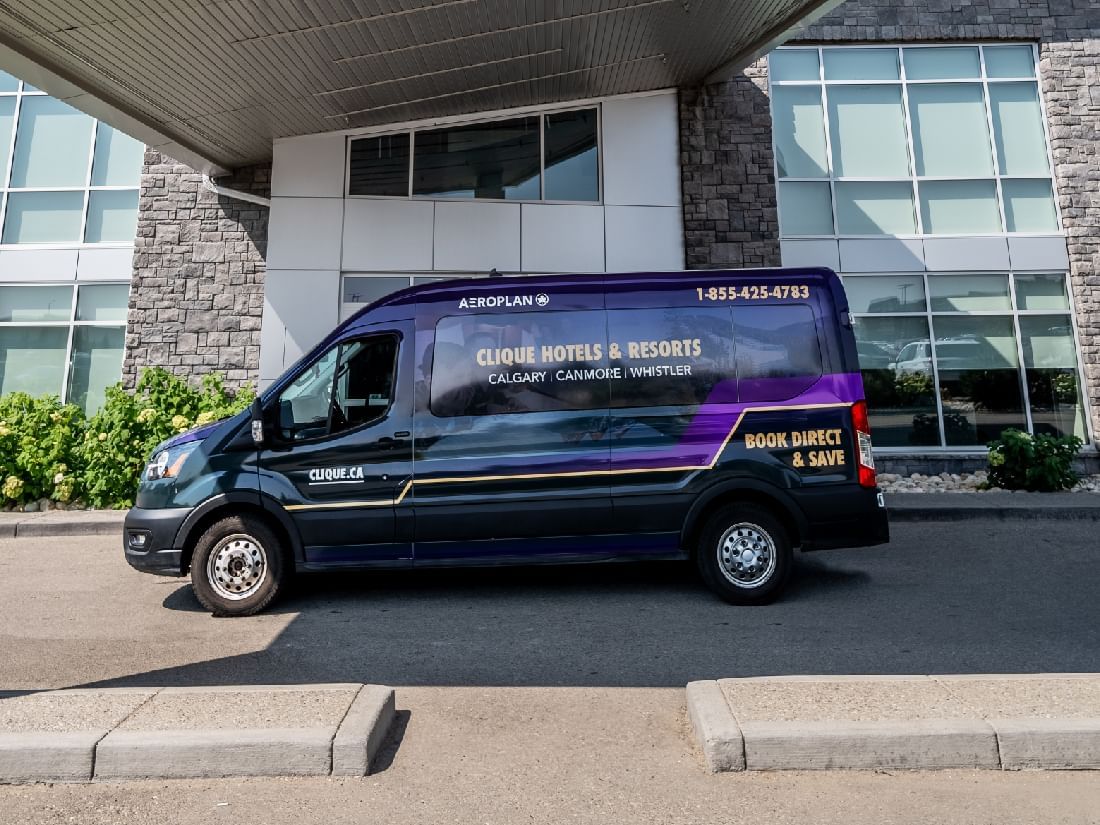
<point x="402" y="434"/>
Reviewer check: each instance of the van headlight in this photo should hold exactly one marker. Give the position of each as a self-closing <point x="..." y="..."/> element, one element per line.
<point x="167" y="463"/>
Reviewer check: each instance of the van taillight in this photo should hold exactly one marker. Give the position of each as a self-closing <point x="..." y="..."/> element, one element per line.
<point x="863" y="444"/>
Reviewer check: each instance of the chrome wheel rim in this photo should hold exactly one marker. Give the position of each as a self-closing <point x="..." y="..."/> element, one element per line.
<point x="746" y="555"/>
<point x="237" y="567"/>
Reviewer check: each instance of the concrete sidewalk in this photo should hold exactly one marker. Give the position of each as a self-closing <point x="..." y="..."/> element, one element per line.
<point x="1047" y="721"/>
<point x="62" y="523"/>
<point x="168" y="733"/>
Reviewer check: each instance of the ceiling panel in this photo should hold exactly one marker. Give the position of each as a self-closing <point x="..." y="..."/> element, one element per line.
<point x="224" y="78"/>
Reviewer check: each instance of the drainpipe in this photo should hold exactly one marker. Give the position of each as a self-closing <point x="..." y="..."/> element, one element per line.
<point x="235" y="194"/>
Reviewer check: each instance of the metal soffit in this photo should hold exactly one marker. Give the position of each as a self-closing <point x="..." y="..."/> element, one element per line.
<point x="214" y="82"/>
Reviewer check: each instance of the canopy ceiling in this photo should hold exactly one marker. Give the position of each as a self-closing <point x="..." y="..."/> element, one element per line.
<point x="214" y="82"/>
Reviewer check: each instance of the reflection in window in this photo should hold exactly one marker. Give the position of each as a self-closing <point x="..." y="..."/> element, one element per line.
<point x="52" y="144"/>
<point x="867" y="131"/>
<point x="1050" y="367"/>
<point x="979" y="377"/>
<point x="32" y="359"/>
<point x="36" y="303"/>
<point x="805" y="208"/>
<point x="472" y="352"/>
<point x="112" y="216"/>
<point x="895" y="358"/>
<point x="43" y="217"/>
<point x="777" y="350"/>
<point x="953" y="207"/>
<point x="968" y="293"/>
<point x="711" y="327"/>
<point x="380" y="166"/>
<point x="95" y="365"/>
<point x="875" y="208"/>
<point x="572" y="161"/>
<point x="799" y="129"/>
<point x="497" y="160"/>
<point x="877" y="294"/>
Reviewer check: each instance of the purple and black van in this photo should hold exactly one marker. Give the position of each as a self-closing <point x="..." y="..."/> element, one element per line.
<point x="716" y="416"/>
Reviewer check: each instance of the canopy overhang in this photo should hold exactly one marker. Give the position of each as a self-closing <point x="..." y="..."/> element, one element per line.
<point x="214" y="82"/>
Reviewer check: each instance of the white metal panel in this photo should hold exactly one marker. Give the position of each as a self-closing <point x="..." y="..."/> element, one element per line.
<point x="965" y="254"/>
<point x="641" y="151"/>
<point x="308" y="167"/>
<point x="810" y="253"/>
<point x="1038" y="253"/>
<point x="477" y="237"/>
<point x="387" y="235"/>
<point x="304" y="233"/>
<point x="105" y="264"/>
<point x="300" y="308"/>
<point x="644" y="238"/>
<point x="40" y="265"/>
<point x="562" y="238"/>
<point x="881" y="255"/>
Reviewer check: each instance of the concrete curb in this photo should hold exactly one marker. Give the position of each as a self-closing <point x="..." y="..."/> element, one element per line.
<point x="62" y="523"/>
<point x="715" y="729"/>
<point x="977" y="738"/>
<point x="362" y="731"/>
<point x="907" y="507"/>
<point x="160" y="734"/>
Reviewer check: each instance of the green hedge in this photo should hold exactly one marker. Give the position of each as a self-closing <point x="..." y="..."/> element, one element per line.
<point x="1043" y="463"/>
<point x="51" y="450"/>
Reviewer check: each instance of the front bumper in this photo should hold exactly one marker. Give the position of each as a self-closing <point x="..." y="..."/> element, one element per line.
<point x="149" y="539"/>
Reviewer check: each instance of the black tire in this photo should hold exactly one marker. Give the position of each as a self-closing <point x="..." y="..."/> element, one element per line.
<point x="757" y="530"/>
<point x="248" y="546"/>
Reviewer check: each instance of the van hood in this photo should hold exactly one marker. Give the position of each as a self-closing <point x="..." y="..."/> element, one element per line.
<point x="196" y="434"/>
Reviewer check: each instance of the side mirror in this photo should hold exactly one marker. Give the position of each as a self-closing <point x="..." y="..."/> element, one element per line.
<point x="257" y="422"/>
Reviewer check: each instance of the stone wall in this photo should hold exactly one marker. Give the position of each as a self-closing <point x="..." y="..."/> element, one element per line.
<point x="198" y="287"/>
<point x="727" y="178"/>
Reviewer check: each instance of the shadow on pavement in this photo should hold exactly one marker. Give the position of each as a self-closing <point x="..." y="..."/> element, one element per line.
<point x="939" y="599"/>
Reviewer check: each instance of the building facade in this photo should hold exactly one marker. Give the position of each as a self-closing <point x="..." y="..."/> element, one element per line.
<point x="68" y="206"/>
<point x="942" y="158"/>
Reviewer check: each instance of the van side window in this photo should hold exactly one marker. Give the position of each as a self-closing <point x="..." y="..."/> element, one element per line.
<point x="349" y="386"/>
<point x="519" y="362"/>
<point x="670" y="356"/>
<point x="778" y="351"/>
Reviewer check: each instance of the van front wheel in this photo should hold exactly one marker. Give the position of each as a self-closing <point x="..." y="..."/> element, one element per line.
<point x="744" y="555"/>
<point x="237" y="568"/>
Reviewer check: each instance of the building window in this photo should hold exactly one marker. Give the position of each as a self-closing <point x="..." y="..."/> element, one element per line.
<point x="62" y="339"/>
<point x="547" y="157"/>
<point x="64" y="177"/>
<point x="915" y="140"/>
<point x="950" y="360"/>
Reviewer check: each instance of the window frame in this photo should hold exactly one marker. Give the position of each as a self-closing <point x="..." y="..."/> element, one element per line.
<point x="429" y="126"/>
<point x="902" y="81"/>
<point x="71" y="323"/>
<point x="271" y="409"/>
<point x="1014" y="313"/>
<point x="24" y="91"/>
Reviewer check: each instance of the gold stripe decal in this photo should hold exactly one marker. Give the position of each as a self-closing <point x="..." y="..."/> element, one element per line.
<point x="350" y="505"/>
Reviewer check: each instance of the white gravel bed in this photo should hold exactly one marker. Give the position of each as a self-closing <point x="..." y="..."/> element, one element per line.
<point x="961" y="483"/>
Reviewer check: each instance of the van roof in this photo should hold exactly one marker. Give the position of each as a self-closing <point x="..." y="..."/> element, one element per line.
<point x="622" y="279"/>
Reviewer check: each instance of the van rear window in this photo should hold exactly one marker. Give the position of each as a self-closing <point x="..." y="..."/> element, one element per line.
<point x="778" y="351"/>
<point x="519" y="362"/>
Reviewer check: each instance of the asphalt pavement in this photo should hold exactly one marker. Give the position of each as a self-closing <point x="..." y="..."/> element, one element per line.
<point x="965" y="597"/>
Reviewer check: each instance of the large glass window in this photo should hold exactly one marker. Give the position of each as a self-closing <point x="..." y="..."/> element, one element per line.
<point x="552" y="156"/>
<point x="62" y="339"/>
<point x="68" y="179"/>
<point x="951" y="360"/>
<point x="914" y="140"/>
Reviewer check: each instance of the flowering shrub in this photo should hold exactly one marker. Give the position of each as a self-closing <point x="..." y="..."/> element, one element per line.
<point x="38" y="438"/>
<point x="1020" y="461"/>
<point x="50" y="450"/>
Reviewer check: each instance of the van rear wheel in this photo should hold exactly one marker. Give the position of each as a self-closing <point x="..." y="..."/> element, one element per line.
<point x="237" y="568"/>
<point x="744" y="554"/>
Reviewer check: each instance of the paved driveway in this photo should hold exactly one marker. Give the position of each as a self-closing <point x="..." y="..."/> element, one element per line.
<point x="942" y="598"/>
